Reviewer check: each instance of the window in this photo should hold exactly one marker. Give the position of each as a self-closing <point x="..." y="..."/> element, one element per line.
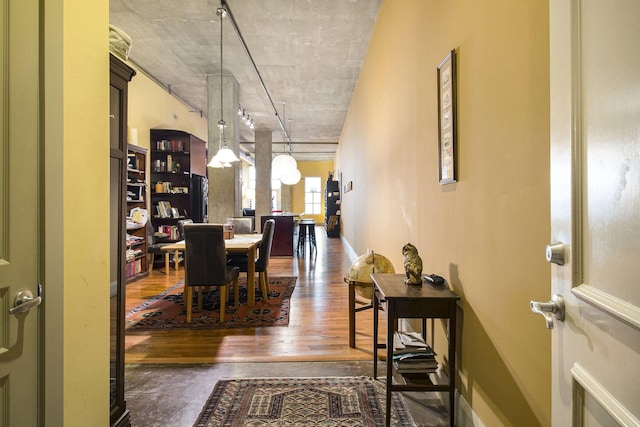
<point x="312" y="195"/>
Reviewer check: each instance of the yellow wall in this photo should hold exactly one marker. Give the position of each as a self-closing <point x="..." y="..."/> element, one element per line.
<point x="486" y="233"/>
<point x="308" y="169"/>
<point x="75" y="251"/>
<point x="152" y="107"/>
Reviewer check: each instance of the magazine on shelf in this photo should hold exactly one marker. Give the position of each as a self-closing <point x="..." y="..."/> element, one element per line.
<point x="411" y="354"/>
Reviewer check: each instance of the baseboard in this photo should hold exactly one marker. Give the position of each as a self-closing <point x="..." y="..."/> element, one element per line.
<point x="349" y="250"/>
<point x="464" y="415"/>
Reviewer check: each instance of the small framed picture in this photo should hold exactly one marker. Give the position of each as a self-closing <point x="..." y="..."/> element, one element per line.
<point x="447" y="131"/>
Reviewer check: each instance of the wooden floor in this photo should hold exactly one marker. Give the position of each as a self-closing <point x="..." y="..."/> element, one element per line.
<point x="318" y="327"/>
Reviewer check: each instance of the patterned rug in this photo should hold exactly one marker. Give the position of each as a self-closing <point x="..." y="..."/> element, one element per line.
<point x="331" y="401"/>
<point x="168" y="311"/>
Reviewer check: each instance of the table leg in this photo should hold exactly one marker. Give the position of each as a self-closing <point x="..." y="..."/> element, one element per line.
<point x="375" y="335"/>
<point x="391" y="330"/>
<point x="166" y="262"/>
<point x="251" y="277"/>
<point x="175" y="260"/>
<point x="352" y="315"/>
<point x="452" y="366"/>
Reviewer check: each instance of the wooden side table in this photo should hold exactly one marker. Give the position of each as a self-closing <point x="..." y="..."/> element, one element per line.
<point x="404" y="302"/>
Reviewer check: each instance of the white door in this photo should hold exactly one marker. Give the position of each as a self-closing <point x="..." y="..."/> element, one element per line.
<point x="595" y="210"/>
<point x="19" y="77"/>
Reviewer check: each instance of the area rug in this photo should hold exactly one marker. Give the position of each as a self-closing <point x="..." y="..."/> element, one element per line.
<point x="168" y="311"/>
<point x="331" y="401"/>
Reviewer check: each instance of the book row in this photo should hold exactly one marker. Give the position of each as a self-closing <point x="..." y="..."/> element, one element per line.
<point x="133" y="268"/>
<point x="170" y="145"/>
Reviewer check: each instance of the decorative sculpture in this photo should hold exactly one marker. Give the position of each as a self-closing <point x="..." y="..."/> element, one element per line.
<point x="412" y="265"/>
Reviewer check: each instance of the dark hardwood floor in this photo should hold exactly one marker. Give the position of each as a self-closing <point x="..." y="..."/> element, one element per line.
<point x="318" y="325"/>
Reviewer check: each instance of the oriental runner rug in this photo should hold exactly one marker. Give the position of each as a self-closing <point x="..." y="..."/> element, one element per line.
<point x="168" y="311"/>
<point x="327" y="402"/>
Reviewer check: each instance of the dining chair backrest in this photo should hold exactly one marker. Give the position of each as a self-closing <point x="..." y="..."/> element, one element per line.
<point x="181" y="224"/>
<point x="205" y="255"/>
<point x="265" y="245"/>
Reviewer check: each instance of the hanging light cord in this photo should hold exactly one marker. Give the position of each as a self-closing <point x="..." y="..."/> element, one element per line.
<point x="221" y="123"/>
<point x="225" y="5"/>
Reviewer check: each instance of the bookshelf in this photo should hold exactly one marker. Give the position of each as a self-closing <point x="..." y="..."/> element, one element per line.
<point x="178" y="180"/>
<point x="332" y="208"/>
<point x="136" y="197"/>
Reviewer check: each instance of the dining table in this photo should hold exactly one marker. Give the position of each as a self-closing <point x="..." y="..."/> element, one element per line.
<point x="239" y="243"/>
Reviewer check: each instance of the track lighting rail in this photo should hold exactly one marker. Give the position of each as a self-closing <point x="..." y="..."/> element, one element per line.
<point x="255" y="67"/>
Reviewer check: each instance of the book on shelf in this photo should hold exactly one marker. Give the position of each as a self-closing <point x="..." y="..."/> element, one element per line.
<point x="170" y="145"/>
<point x="133" y="240"/>
<point x="411" y="354"/>
<point x="409" y="341"/>
<point x="163" y="209"/>
<point x="169" y="232"/>
<point x="416" y="367"/>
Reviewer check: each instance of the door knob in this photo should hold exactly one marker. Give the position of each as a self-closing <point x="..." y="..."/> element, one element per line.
<point x="555" y="307"/>
<point x="24" y="301"/>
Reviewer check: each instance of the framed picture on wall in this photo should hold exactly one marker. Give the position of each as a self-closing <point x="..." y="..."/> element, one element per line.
<point x="447" y="131"/>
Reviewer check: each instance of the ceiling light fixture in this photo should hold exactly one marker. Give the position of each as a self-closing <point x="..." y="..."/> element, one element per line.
<point x="225" y="156"/>
<point x="292" y="176"/>
<point x="245" y="117"/>
<point x="283" y="164"/>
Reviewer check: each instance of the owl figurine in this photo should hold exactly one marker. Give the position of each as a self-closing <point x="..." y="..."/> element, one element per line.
<point x="412" y="265"/>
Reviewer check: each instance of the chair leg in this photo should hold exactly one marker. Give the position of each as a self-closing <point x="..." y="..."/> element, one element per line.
<point x="264" y="284"/>
<point x="200" y="292"/>
<point x="188" y="294"/>
<point x="236" y="292"/>
<point x="150" y="260"/>
<point x="266" y="281"/>
<point x="223" y="301"/>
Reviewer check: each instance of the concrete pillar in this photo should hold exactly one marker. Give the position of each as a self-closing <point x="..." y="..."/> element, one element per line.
<point x="285" y="198"/>
<point x="263" y="141"/>
<point x="225" y="192"/>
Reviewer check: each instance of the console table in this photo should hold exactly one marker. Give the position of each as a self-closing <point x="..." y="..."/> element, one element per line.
<point x="423" y="302"/>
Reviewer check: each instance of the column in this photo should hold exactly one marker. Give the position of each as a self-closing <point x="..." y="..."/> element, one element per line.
<point x="225" y="192"/>
<point x="263" y="142"/>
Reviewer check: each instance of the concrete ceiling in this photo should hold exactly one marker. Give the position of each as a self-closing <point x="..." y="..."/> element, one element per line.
<point x="308" y="53"/>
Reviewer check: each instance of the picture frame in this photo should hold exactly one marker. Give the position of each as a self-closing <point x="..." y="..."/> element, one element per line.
<point x="447" y="120"/>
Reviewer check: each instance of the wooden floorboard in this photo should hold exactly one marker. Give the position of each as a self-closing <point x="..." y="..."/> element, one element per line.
<point x="318" y="327"/>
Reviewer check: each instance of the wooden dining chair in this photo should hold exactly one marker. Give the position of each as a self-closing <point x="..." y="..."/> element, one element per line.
<point x="206" y="265"/>
<point x="262" y="261"/>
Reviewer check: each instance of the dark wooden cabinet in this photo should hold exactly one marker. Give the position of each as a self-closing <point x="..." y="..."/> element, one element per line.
<point x="332" y="205"/>
<point x="178" y="180"/>
<point x="282" y="244"/>
<point x="120" y="76"/>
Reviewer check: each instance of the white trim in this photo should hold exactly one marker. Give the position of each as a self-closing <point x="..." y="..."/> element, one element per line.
<point x="621" y="310"/>
<point x="622" y="415"/>
<point x="465" y="416"/>
<point x="349" y="250"/>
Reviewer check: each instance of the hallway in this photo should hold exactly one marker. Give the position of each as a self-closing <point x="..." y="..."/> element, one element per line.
<point x="170" y="374"/>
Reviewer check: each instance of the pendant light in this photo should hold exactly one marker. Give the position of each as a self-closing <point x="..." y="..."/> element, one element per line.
<point x="225" y="156"/>
<point x="291" y="176"/>
<point x="284" y="164"/>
